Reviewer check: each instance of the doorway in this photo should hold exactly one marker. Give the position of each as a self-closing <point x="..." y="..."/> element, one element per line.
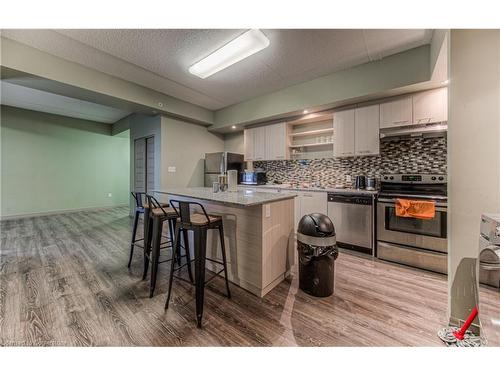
<point x="144" y="164"/>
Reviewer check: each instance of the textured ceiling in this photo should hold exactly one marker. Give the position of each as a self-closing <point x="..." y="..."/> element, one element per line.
<point x="42" y="101"/>
<point x="159" y="59"/>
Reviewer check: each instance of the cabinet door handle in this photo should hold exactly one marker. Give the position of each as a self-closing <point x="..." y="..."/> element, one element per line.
<point x="400" y="122"/>
<point x="425" y="119"/>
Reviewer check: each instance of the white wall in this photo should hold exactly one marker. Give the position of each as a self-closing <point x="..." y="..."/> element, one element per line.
<point x="473" y="153"/>
<point x="184" y="146"/>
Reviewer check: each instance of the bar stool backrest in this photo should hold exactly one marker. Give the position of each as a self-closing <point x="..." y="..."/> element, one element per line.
<point x="139" y="198"/>
<point x="183" y="210"/>
<point x="153" y="203"/>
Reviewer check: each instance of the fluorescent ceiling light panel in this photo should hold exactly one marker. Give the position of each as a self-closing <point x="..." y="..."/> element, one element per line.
<point x="236" y="50"/>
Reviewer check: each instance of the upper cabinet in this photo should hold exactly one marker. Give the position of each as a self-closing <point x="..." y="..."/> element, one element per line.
<point x="356" y="132"/>
<point x="421" y="108"/>
<point x="366" y="130"/>
<point x="259" y="143"/>
<point x="397" y="112"/>
<point x="430" y="106"/>
<point x="277" y="141"/>
<point x="343" y="133"/>
<point x="248" y="135"/>
<point x="266" y="142"/>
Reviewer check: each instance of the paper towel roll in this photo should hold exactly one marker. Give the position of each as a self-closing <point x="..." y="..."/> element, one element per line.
<point x="232" y="180"/>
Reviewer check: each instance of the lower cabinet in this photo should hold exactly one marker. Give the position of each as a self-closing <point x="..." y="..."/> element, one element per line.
<point x="306" y="202"/>
<point x="309" y="203"/>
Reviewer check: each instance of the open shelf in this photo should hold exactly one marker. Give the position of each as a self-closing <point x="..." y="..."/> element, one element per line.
<point x="311" y="132"/>
<point x="312" y="144"/>
<point x="307" y="132"/>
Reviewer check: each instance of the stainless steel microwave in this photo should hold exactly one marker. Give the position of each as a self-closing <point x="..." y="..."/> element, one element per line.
<point x="253" y="178"/>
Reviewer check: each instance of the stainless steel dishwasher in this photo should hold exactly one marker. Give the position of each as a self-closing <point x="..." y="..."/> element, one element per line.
<point x="352" y="216"/>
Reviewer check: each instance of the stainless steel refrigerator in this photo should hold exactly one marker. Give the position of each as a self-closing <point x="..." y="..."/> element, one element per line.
<point x="217" y="163"/>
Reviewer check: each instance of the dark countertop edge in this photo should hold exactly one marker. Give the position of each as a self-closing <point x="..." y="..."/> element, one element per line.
<point x="225" y="203"/>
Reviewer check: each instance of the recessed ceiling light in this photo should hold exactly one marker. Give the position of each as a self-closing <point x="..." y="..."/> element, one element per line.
<point x="238" y="49"/>
<point x="305" y="111"/>
<point x="233" y="127"/>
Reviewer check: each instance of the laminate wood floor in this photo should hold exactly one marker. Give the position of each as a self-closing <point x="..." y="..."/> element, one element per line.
<point x="64" y="282"/>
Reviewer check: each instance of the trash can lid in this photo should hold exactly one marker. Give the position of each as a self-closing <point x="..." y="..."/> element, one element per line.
<point x="316" y="225"/>
<point x="490" y="254"/>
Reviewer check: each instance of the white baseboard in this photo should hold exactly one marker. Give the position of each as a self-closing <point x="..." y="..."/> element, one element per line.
<point x="47" y="213"/>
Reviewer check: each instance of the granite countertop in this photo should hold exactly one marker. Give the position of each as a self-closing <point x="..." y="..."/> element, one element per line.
<point x="243" y="197"/>
<point x="316" y="189"/>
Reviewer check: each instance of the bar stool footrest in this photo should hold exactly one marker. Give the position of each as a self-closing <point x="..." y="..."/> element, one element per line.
<point x="214" y="276"/>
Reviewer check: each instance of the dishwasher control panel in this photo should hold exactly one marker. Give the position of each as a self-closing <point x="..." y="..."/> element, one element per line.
<point x="350" y="199"/>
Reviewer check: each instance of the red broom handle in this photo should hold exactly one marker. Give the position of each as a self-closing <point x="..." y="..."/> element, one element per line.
<point x="461" y="332"/>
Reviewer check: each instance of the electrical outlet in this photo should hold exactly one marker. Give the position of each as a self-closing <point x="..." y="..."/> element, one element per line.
<point x="348" y="178"/>
<point x="172" y="169"/>
<point x="110" y="195"/>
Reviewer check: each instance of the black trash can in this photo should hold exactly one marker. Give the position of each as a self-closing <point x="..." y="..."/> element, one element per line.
<point x="317" y="249"/>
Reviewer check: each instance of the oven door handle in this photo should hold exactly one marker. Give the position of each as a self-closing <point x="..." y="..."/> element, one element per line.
<point x="414" y="196"/>
<point x="392" y="202"/>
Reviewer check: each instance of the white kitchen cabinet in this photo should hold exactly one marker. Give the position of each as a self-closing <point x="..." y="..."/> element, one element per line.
<point x="277" y="141"/>
<point x="343" y="133"/>
<point x="366" y="130"/>
<point x="310" y="202"/>
<point x="248" y="136"/>
<point x="430" y="106"/>
<point x="267" y="142"/>
<point x="398" y="112"/>
<point x="259" y="143"/>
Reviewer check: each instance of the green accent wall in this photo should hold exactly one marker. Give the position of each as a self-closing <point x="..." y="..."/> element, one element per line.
<point x="56" y="163"/>
<point x="392" y="72"/>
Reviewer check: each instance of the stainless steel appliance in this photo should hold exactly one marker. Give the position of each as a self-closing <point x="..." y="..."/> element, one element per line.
<point x="412" y="131"/>
<point x="415" y="242"/>
<point x="489" y="250"/>
<point x="489" y="274"/>
<point x="217" y="163"/>
<point x="360" y="182"/>
<point x="371" y="183"/>
<point x="352" y="216"/>
<point x="255" y="177"/>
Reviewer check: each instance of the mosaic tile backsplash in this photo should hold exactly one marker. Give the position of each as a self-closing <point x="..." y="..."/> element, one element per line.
<point x="419" y="155"/>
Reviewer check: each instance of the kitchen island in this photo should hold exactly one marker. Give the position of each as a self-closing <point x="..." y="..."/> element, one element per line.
<point x="258" y="233"/>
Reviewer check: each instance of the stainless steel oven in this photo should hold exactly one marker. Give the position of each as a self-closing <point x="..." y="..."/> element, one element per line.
<point x="426" y="234"/>
<point x="415" y="242"/>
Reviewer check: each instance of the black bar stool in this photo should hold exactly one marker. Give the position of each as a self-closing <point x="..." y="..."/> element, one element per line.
<point x="141" y="208"/>
<point x="199" y="223"/>
<point x="159" y="214"/>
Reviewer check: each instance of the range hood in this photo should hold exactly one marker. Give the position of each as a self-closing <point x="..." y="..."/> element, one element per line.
<point x="412" y="131"/>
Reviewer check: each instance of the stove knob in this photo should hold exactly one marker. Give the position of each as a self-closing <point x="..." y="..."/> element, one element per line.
<point x="433" y="178"/>
<point x="441" y="178"/>
<point x="385" y="177"/>
<point x="392" y="177"/>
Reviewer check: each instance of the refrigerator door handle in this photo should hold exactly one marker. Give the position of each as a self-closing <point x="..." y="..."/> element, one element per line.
<point x="223" y="163"/>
